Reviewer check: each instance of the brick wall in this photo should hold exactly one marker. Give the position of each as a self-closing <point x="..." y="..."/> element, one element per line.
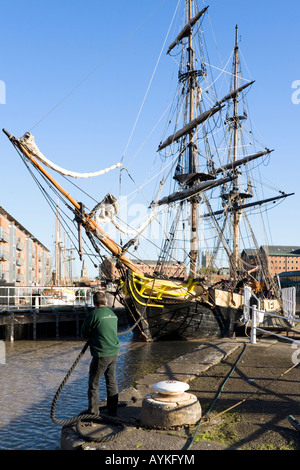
<point x="24" y="261"/>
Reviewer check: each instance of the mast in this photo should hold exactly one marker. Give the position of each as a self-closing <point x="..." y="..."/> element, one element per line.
<point x="191" y="149"/>
<point x="187" y="175"/>
<point x="235" y="197"/>
<point x="65" y="260"/>
<point x="236" y="184"/>
<point x="57" y="249"/>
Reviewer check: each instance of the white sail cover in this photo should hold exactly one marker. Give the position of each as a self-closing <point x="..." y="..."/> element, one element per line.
<point x="107" y="210"/>
<point x="28" y="142"/>
<point x="139" y="229"/>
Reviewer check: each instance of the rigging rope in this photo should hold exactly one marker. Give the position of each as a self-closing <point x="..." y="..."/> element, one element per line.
<point x="51" y="201"/>
<point x="29" y="143"/>
<point x="77" y="419"/>
<point x="81" y="416"/>
<point x="98" y="66"/>
<point x="151" y="80"/>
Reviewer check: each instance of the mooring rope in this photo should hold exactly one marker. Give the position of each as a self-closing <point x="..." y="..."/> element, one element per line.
<point x="59" y="390"/>
<point x="82" y="416"/>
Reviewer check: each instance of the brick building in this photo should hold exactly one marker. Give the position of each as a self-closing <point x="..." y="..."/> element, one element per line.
<point x="24" y="260"/>
<point x="278" y="258"/>
<point x="172" y="269"/>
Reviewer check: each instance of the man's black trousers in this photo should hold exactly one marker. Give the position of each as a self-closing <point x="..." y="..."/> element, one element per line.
<point x="98" y="367"/>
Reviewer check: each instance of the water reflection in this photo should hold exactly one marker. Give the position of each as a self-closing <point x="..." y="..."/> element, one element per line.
<point x="34" y="370"/>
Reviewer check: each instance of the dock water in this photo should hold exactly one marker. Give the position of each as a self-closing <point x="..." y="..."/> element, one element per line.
<point x="31" y="372"/>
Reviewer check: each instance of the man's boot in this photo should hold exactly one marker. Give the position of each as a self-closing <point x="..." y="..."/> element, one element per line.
<point x="112" y="405"/>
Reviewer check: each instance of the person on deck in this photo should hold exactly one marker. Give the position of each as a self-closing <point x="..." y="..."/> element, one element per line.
<point x="100" y="328"/>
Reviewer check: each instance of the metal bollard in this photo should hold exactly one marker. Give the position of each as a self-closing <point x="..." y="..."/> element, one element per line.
<point x="254" y="324"/>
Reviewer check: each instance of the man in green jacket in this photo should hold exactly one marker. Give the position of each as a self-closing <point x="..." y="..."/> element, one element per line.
<point x="100" y="328"/>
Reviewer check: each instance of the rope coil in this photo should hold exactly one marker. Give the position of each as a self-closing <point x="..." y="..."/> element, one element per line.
<point x="82" y="416"/>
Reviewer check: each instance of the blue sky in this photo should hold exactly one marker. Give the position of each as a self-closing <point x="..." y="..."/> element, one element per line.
<point x="49" y="48"/>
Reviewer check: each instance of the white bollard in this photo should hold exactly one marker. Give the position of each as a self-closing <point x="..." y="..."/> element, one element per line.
<point x="170" y="405"/>
<point x="254" y="324"/>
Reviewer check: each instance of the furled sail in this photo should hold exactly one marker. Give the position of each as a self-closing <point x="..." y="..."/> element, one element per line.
<point x="242" y="161"/>
<point x="28" y="141"/>
<point x="234" y="93"/>
<point x="186" y="30"/>
<point x="189" y="127"/>
<point x="202" y="118"/>
<point x="250" y="204"/>
<point x="106" y="210"/>
<point x="198" y="188"/>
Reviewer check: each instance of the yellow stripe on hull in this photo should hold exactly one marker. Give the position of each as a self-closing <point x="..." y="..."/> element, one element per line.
<point x="157" y="289"/>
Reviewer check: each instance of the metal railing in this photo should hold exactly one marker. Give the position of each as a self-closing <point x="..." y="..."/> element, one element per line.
<point x="288" y="296"/>
<point x="24" y="298"/>
<point x="258" y="316"/>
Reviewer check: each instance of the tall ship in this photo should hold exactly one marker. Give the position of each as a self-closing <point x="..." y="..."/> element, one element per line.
<point x="206" y="196"/>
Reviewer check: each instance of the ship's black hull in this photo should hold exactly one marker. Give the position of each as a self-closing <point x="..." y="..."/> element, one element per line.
<point x="174" y="317"/>
<point x="183" y="321"/>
